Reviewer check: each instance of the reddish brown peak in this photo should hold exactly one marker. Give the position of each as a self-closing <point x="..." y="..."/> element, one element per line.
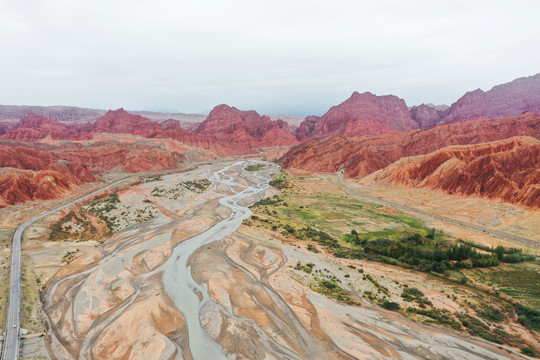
<point x="121" y="121"/>
<point x="425" y="115"/>
<point x="510" y="99"/>
<point x="365" y="113"/>
<point x="171" y="124"/>
<point x="368" y="96"/>
<point x="35" y="127"/>
<point x="246" y="127"/>
<point x="282" y="124"/>
<point x="5" y="127"/>
<point x="223" y="119"/>
<point x="33" y="121"/>
<point x="306" y="127"/>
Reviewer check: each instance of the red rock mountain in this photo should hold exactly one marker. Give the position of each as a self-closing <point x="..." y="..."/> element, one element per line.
<point x="121" y="122"/>
<point x="306" y="127"/>
<point x="36" y="159"/>
<point x="510" y="99"/>
<point x="426" y="116"/>
<point x="368" y="114"/>
<point x="5" y="127"/>
<point x="34" y="171"/>
<point x="507" y="170"/>
<point x="246" y="127"/>
<point x="334" y="153"/>
<point x="21" y="186"/>
<point x="361" y="114"/>
<point x="35" y="127"/>
<point x="171" y="124"/>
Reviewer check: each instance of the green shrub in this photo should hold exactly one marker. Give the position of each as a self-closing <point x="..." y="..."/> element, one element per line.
<point x="528" y="317"/>
<point x="390" y="305"/>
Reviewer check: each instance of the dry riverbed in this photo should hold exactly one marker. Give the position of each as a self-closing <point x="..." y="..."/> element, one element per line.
<point x="263" y="294"/>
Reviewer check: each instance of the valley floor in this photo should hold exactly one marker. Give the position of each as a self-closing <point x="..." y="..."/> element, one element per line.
<point x="116" y="275"/>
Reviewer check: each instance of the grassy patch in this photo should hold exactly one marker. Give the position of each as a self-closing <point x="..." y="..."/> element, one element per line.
<point x="281" y="182"/>
<point x="257" y="167"/>
<point x="308" y="268"/>
<point x="475" y="327"/>
<point x="390" y="305"/>
<point x="519" y="281"/>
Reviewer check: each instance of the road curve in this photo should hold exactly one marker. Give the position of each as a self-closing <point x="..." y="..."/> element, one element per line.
<point x="373" y="199"/>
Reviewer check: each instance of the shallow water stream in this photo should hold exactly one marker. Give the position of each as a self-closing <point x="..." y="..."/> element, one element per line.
<point x="189" y="297"/>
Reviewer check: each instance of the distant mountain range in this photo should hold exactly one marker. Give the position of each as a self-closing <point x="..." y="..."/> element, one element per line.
<point x="368" y="114"/>
<point x="361" y="114"/>
<point x="363" y="135"/>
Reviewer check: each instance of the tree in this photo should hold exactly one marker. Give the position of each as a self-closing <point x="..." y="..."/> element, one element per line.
<point x="499" y="251"/>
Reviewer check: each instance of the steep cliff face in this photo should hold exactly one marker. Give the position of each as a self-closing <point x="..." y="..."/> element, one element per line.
<point x="365" y="114"/>
<point x="391" y="147"/>
<point x="508" y="170"/>
<point x="246" y="127"/>
<point x="425" y="116"/>
<point x="306" y="127"/>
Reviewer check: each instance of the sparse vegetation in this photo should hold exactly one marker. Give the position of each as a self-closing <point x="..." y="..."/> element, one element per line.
<point x="528" y="317"/>
<point x="438" y="316"/>
<point x="152" y="178"/>
<point x="69" y="256"/>
<point x="308" y="268"/>
<point x="4" y="289"/>
<point x="257" y="167"/>
<point x="174" y="192"/>
<point x="280" y="182"/>
<point x="31" y="312"/>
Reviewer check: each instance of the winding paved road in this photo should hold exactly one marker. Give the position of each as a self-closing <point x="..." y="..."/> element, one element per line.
<point x="405" y="208"/>
<point x="13" y="324"/>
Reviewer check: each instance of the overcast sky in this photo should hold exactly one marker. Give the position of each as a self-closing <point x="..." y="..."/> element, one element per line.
<point x="295" y="56"/>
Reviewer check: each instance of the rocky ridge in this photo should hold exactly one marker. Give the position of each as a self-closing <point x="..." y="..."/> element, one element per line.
<point x="246" y="127"/>
<point x="363" y="155"/>
<point x="507" y="170"/>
